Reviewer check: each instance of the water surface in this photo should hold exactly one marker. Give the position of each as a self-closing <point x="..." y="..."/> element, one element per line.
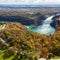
<point x="45" y="28"/>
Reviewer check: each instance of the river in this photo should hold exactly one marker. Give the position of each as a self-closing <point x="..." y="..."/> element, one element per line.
<point x="45" y="28"/>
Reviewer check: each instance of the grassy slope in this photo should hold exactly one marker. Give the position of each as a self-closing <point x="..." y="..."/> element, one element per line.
<point x="2" y="58"/>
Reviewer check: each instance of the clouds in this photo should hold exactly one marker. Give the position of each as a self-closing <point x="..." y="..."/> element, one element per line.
<point x="29" y="1"/>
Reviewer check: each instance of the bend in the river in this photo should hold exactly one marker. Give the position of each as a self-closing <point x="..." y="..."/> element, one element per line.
<point x="45" y="28"/>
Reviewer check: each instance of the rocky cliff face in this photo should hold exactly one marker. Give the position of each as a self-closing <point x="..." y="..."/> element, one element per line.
<point x="39" y="18"/>
<point x="56" y="23"/>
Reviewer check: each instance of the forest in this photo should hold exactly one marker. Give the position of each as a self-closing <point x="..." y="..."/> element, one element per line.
<point x="18" y="43"/>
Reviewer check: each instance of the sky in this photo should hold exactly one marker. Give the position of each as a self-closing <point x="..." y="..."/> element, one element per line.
<point x="29" y="2"/>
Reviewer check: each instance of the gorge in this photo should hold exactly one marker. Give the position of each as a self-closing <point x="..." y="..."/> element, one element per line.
<point x="45" y="28"/>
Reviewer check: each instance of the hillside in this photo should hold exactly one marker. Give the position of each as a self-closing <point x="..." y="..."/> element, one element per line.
<point x="12" y="25"/>
<point x="18" y="43"/>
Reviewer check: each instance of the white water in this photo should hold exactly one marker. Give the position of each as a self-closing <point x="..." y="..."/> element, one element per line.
<point x="45" y="28"/>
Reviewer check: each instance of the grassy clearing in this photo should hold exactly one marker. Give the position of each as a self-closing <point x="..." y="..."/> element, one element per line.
<point x="2" y="58"/>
